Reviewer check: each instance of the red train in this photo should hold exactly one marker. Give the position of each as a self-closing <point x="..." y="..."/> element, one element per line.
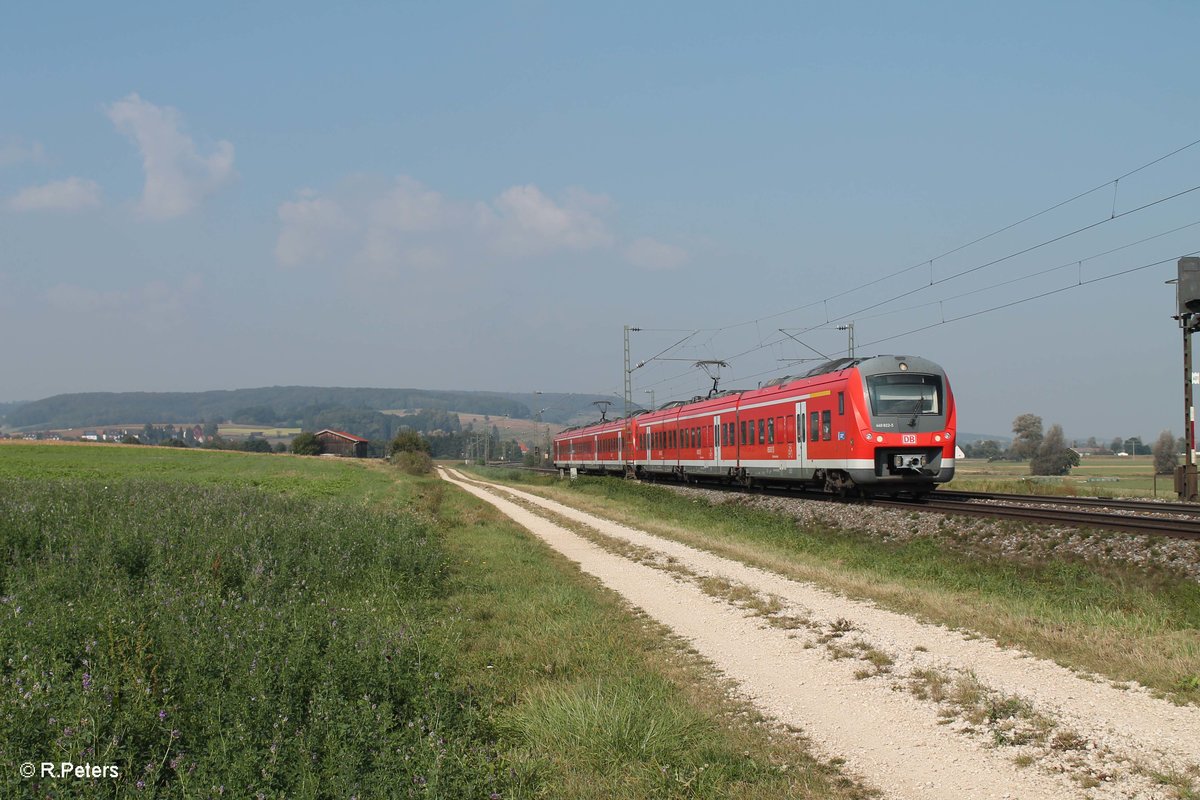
<point x="878" y="425"/>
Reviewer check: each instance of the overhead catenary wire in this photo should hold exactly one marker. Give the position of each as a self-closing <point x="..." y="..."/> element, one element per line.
<point x="926" y="261"/>
<point x="824" y="302"/>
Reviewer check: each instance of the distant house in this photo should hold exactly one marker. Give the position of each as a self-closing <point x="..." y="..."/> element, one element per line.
<point x="340" y="443"/>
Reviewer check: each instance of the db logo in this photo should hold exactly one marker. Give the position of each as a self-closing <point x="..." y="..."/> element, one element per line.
<point x="910" y="438"/>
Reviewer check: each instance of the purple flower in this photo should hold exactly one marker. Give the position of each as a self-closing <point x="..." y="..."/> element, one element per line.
<point x="87" y="681"/>
<point x="141" y="784"/>
<point x="162" y="715"/>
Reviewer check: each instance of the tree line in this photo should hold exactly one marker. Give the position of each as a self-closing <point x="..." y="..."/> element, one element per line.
<point x="1049" y="454"/>
<point x="277" y="405"/>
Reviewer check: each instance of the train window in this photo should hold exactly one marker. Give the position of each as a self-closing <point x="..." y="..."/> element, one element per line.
<point x="814" y="427"/>
<point x="771" y="430"/>
<point x="762" y="431"/>
<point x="720" y="434"/>
<point x="799" y="427"/>
<point x="826" y="425"/>
<point x="732" y="433"/>
<point x="841" y="404"/>
<point x="905" y="394"/>
<point x="743" y="441"/>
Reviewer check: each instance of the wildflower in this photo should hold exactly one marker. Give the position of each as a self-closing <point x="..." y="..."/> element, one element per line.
<point x="162" y="715"/>
<point x="87" y="681"/>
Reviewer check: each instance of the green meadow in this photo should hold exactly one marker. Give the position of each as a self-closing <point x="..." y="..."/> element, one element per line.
<point x="217" y="624"/>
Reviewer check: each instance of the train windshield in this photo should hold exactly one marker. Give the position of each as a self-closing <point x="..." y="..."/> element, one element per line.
<point x="905" y="393"/>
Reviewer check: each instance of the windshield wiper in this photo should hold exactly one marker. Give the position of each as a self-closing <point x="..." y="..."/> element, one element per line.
<point x="912" y="423"/>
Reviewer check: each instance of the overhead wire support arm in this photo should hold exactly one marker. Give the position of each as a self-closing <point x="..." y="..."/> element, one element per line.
<point x="806" y="344"/>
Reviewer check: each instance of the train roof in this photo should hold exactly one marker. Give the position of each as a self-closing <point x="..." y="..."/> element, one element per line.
<point x="868" y="365"/>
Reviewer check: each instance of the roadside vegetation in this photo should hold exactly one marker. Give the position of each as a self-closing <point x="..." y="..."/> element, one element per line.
<point x="224" y="624"/>
<point x="1096" y="476"/>
<point x="1120" y="622"/>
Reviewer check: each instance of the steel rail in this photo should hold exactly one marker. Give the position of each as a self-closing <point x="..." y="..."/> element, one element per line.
<point x="1102" y="514"/>
<point x="1149" y="506"/>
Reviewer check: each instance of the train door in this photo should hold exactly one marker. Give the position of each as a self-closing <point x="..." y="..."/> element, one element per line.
<point x="717" y="441"/>
<point x="621" y="447"/>
<point x="801" y="434"/>
<point x="789" y="436"/>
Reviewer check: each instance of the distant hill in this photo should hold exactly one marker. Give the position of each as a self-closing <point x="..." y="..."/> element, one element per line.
<point x="278" y="405"/>
<point x="971" y="438"/>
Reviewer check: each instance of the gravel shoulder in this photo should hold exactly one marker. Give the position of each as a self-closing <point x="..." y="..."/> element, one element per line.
<point x="842" y="671"/>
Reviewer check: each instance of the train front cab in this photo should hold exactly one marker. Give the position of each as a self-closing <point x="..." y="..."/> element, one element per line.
<point x="909" y="426"/>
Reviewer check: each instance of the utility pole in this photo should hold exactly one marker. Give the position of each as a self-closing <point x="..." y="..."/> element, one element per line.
<point x="651" y="393"/>
<point x="1187" y="294"/>
<point x="628" y="372"/>
<point x="849" y="326"/>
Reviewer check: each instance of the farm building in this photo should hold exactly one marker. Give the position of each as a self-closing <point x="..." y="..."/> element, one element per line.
<point x="339" y="443"/>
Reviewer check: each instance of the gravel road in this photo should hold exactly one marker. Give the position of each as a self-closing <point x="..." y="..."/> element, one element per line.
<point x="914" y="709"/>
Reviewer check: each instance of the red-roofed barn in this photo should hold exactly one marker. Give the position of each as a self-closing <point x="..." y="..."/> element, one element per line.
<point x="339" y="443"/>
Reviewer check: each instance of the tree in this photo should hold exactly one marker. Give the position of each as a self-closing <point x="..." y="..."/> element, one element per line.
<point x="1053" y="457"/>
<point x="988" y="449"/>
<point x="256" y="445"/>
<point x="409" y="441"/>
<point x="1028" y="430"/>
<point x="1135" y="447"/>
<point x="306" y="444"/>
<point x="1166" y="457"/>
<point x="1117" y="445"/>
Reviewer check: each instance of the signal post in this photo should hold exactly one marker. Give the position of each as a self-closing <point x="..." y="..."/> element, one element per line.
<point x="1188" y="295"/>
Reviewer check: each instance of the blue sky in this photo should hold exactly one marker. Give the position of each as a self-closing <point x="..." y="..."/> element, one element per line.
<point x="480" y="196"/>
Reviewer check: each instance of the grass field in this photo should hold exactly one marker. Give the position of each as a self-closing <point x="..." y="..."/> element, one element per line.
<point x="1096" y="476"/>
<point x="1120" y="622"/>
<point x="229" y="624"/>
<point x="266" y="431"/>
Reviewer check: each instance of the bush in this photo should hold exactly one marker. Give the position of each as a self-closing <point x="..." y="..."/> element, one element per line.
<point x="1053" y="457"/>
<point x="306" y="444"/>
<point x="413" y="462"/>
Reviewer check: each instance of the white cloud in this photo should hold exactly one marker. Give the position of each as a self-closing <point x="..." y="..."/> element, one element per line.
<point x="405" y="225"/>
<point x="309" y="228"/>
<point x="71" y="194"/>
<point x="14" y="151"/>
<point x="177" y="176"/>
<point x="650" y="253"/>
<point x="156" y="304"/>
<point x="527" y="222"/>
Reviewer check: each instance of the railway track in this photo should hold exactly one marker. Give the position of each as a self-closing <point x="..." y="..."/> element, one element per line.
<point x="1128" y="516"/>
<point x="1141" y="506"/>
<point x="1179" y="520"/>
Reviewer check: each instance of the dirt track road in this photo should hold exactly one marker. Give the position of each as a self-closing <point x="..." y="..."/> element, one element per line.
<point x="864" y="683"/>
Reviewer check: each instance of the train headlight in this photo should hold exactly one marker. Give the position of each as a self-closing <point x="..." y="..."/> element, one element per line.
<point x="868" y="435"/>
<point x="937" y="437"/>
<point x="903" y="366"/>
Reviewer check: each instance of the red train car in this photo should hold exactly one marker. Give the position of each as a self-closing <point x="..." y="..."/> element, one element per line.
<point x="883" y="425"/>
